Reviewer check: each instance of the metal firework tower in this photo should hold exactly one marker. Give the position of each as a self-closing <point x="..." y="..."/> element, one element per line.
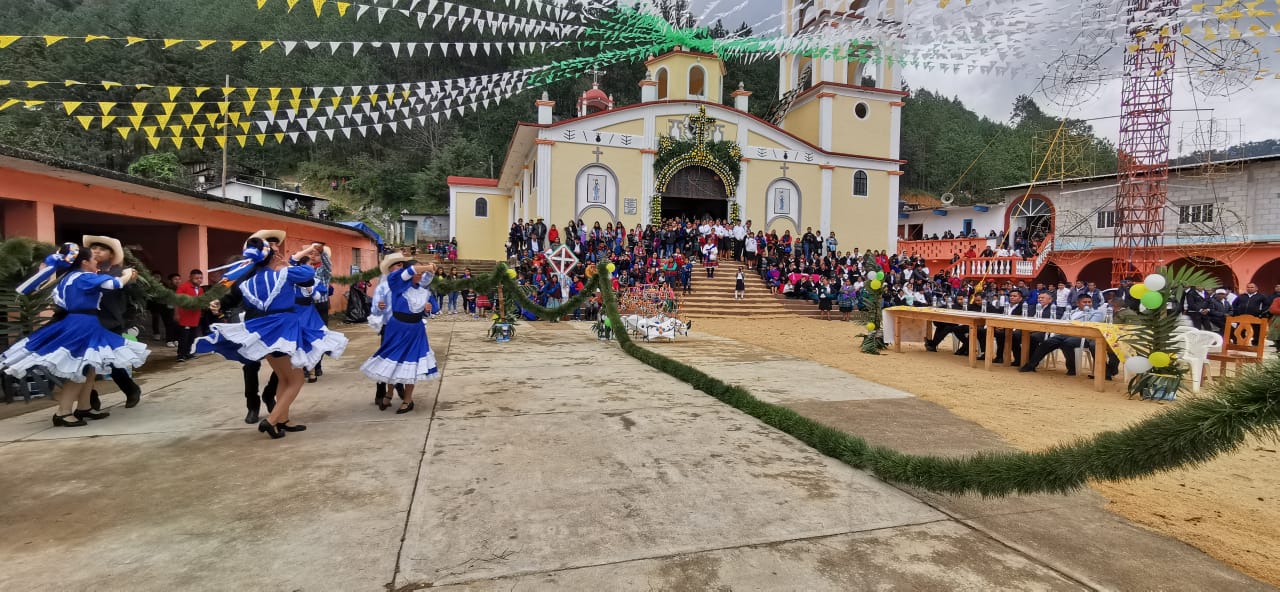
<point x="1144" y="139"/>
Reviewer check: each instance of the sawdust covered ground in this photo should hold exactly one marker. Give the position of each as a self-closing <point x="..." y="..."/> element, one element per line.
<point x="1229" y="507"/>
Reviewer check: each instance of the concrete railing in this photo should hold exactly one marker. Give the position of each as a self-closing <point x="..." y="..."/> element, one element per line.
<point x="945" y="248"/>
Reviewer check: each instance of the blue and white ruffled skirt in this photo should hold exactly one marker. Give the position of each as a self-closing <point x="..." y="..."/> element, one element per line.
<point x="279" y="333"/>
<point x="67" y="348"/>
<point x="405" y="356"/>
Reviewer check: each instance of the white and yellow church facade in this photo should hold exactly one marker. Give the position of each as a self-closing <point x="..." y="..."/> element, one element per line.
<point x="831" y="163"/>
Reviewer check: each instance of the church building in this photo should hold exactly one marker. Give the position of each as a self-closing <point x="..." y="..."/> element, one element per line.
<point x="830" y="162"/>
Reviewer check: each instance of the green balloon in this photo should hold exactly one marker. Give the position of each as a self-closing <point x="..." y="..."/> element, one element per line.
<point x="1152" y="300"/>
<point x="606" y="321"/>
<point x="880" y="275"/>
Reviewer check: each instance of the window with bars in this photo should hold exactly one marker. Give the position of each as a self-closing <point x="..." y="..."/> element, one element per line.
<point x="1195" y="213"/>
<point x="860" y="183"/>
<point x="1107" y="219"/>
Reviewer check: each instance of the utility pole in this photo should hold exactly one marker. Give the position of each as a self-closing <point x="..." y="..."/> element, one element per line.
<point x="225" y="120"/>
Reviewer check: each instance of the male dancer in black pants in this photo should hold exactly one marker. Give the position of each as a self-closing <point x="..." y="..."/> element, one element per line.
<point x="109" y="255"/>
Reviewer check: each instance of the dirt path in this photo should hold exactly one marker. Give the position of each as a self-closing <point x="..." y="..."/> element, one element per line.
<point x="1229" y="508"/>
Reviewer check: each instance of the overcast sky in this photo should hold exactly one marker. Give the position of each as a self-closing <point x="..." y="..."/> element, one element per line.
<point x="1248" y="115"/>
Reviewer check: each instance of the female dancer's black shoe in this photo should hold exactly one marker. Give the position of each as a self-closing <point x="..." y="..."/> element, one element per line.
<point x="270" y="430"/>
<point x="297" y="427"/>
<point x="62" y="421"/>
<point x="91" y="414"/>
<point x="404" y="409"/>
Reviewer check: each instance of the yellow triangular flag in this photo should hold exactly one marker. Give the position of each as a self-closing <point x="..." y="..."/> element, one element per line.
<point x="90" y="38"/>
<point x="244" y="127"/>
<point x="35" y="83"/>
<point x="133" y="40"/>
<point x="237" y="44"/>
<point x="265" y="45"/>
<point x="248" y="106"/>
<point x="296" y="91"/>
<point x="295" y="104"/>
<point x="199" y="140"/>
<point x="177" y="142"/>
<point x="222" y="107"/>
<point x="49" y="40"/>
<point x="107" y="119"/>
<point x="342" y="8"/>
<point x="108" y="85"/>
<point x="200" y="128"/>
<point x="315" y="103"/>
<point x="202" y="89"/>
<point x="234" y="116"/>
<point x="172" y="42"/>
<point x="275" y="92"/>
<point x="71" y="106"/>
<point x="106" y="107"/>
<point x="241" y="140"/>
<point x="30" y="104"/>
<point x="373" y="98"/>
<point x="9" y="103"/>
<point x="85" y="120"/>
<point x="204" y="43"/>
<point x="150" y="130"/>
<point x="222" y="142"/>
<point x="279" y="137"/>
<point x="291" y="4"/>
<point x="273" y="105"/>
<point x="176" y="129"/>
<point x="173" y="91"/>
<point x="252" y="92"/>
<point x="187" y="119"/>
<point x="261" y="138"/>
<point x="136" y="120"/>
<point x="261" y="3"/>
<point x="196" y="106"/>
<point x="139" y="108"/>
<point x="227" y="90"/>
<point x="355" y="100"/>
<point x="7" y="40"/>
<point x="335" y="101"/>
<point x="124" y="132"/>
<point x="318" y="5"/>
<point x="154" y="141"/>
<point x="163" y="120"/>
<point x="168" y="107"/>
<point x="5" y="82"/>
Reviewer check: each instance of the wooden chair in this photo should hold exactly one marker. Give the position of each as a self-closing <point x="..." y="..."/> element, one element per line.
<point x="1238" y="348"/>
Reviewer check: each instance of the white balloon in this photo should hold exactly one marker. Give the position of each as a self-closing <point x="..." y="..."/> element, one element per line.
<point x="1155" y="282"/>
<point x="1137" y="365"/>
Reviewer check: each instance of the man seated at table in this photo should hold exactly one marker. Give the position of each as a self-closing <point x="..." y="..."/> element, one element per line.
<point x="1016" y="308"/>
<point x="1084" y="312"/>
<point x="942" y="330"/>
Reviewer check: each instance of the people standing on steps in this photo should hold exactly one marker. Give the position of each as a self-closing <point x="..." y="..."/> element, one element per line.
<point x="272" y="330"/>
<point x="405" y="356"/>
<point x="710" y="256"/>
<point x="739" y="285"/>
<point x="74" y="346"/>
<point x="111" y="312"/>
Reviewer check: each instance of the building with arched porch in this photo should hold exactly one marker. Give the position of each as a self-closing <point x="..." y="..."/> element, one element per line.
<point x="682" y="152"/>
<point x="1224" y="219"/>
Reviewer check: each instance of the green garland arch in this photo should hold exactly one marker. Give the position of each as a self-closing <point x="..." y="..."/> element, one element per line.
<point x="722" y="158"/>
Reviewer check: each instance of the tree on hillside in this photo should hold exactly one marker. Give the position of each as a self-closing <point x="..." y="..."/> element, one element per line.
<point x="460" y="158"/>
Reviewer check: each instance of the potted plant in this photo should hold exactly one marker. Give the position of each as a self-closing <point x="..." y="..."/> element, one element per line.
<point x="603" y="328"/>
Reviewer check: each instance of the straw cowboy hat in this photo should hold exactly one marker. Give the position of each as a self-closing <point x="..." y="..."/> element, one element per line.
<point x="269" y="236"/>
<point x="390" y="260"/>
<point x="117" y="252"/>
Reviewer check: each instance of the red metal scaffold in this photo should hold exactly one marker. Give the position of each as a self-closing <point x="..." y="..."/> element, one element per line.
<point x="1144" y="140"/>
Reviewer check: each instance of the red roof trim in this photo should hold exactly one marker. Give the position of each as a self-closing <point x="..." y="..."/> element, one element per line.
<point x="870" y="89"/>
<point x="775" y="128"/>
<point x="472" y="181"/>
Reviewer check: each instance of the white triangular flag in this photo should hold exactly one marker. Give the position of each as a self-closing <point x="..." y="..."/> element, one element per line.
<point x="410" y="46"/>
<point x="293" y="136"/>
<point x="395" y="48"/>
<point x="262" y="125"/>
<point x="312" y="134"/>
<point x="382" y="13"/>
<point x="329" y="133"/>
<point x="361" y="10"/>
<point x="355" y="47"/>
<point x="422" y="18"/>
<point x="346" y="131"/>
<point x="312" y="44"/>
<point x="333" y="47"/>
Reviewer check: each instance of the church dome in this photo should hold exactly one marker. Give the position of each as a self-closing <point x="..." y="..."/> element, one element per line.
<point x="594" y="100"/>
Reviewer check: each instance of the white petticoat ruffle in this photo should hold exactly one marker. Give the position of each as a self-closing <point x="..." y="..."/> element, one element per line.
<point x="60" y="363"/>
<point x="252" y="347"/>
<point x="393" y="372"/>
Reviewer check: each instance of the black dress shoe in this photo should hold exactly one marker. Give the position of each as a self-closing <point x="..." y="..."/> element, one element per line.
<point x="998" y="360"/>
<point x="62" y="421"/>
<point x="132" y="396"/>
<point x="1026" y="369"/>
<point x="1015" y="363"/>
<point x="930" y="347"/>
<point x="404" y="409"/>
<point x="297" y="427"/>
<point x="252" y="417"/>
<point x="91" y="414"/>
<point x="962" y="352"/>
<point x="267" y="428"/>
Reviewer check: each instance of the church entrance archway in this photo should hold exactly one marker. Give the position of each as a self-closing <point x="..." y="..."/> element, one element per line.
<point x="695" y="192"/>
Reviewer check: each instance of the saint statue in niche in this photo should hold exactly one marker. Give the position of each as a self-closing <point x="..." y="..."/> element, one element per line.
<point x="596" y="189"/>
<point x="781" y="198"/>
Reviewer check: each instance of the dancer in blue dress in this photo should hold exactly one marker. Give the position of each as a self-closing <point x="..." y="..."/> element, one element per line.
<point x="405" y="356"/>
<point x="272" y="329"/>
<point x="74" y="347"/>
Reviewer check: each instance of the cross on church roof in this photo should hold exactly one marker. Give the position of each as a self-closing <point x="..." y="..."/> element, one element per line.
<point x="700" y="125"/>
<point x="596" y="73"/>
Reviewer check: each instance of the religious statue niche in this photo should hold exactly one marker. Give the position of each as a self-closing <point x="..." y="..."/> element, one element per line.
<point x="695" y="146"/>
<point x="597" y="188"/>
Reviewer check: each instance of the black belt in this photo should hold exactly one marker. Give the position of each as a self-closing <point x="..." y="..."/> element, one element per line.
<point x="86" y="312"/>
<point x="408" y="317"/>
<point x="253" y="313"/>
<point x="304" y="301"/>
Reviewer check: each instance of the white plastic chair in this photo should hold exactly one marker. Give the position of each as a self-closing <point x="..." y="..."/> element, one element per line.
<point x="1197" y="345"/>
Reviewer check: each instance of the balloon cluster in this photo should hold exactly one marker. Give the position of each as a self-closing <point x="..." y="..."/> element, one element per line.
<point x="1150" y="295"/>
<point x="877" y="280"/>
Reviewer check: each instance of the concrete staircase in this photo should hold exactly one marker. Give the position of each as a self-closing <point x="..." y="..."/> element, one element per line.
<point x="713" y="297"/>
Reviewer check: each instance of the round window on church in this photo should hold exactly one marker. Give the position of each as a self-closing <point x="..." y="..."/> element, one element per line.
<point x="861" y="110"/>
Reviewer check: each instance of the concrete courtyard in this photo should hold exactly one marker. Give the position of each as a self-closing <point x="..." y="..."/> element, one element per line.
<point x="554" y="462"/>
